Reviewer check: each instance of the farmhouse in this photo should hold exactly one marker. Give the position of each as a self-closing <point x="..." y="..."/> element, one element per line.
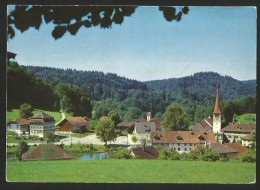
<point x="124" y="125"/>
<point x="247" y="140"/>
<point x="204" y="125"/>
<point x="19" y="126"/>
<point x="145" y="152"/>
<point x="74" y="124"/>
<point x="142" y="131"/>
<point x="181" y="141"/>
<point x="224" y="151"/>
<point x="40" y="123"/>
<point x="46" y="152"/>
<point x="236" y="131"/>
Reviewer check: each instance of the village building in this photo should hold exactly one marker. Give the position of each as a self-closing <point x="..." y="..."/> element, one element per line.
<point x="124" y="125"/>
<point x="224" y="151"/>
<point x="181" y="141"/>
<point x="74" y="125"/>
<point x="240" y="148"/>
<point x="46" y="152"/>
<point x="247" y="140"/>
<point x="236" y="132"/>
<point x="145" y="152"/>
<point x="19" y="126"/>
<point x="204" y="125"/>
<point x="40" y="123"/>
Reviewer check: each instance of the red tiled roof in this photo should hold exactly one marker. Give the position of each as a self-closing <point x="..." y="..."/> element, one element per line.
<point x="237" y="146"/>
<point x="204" y="125"/>
<point x="21" y="121"/>
<point x="174" y="137"/>
<point x="125" y="124"/>
<point x="157" y="122"/>
<point x="222" y="149"/>
<point x="42" y="152"/>
<point x="148" y="153"/>
<point x="41" y="117"/>
<point x="78" y="122"/>
<point x="238" y="127"/>
<point x="217" y="104"/>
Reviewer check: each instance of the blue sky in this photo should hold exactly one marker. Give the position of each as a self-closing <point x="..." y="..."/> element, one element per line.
<point x="147" y="47"/>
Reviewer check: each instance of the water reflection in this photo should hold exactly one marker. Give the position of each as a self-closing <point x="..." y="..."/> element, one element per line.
<point x="93" y="156"/>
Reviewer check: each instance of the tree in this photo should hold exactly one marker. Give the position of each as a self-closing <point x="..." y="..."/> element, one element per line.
<point x="22" y="148"/>
<point x="175" y="118"/>
<point x="49" y="136"/>
<point x="26" y="110"/>
<point x="113" y="115"/>
<point x="72" y="18"/>
<point x="248" y="156"/>
<point x="105" y="131"/>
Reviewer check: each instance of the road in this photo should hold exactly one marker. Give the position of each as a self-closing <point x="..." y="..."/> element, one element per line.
<point x="62" y="117"/>
<point x="122" y="140"/>
<point x="91" y="139"/>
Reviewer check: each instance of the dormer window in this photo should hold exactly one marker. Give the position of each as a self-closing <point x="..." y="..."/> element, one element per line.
<point x="179" y="138"/>
<point x="192" y="133"/>
<point x="201" y="138"/>
<point x="205" y="133"/>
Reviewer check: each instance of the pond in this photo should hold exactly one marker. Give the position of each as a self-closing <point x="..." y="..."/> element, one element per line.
<point x="92" y="156"/>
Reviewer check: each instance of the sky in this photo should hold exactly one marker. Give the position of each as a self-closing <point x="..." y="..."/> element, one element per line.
<point x="147" y="47"/>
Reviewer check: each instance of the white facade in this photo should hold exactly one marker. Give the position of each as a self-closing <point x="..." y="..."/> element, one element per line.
<point x="39" y="129"/>
<point x="15" y="128"/>
<point x="237" y="136"/>
<point x="180" y="147"/>
<point x="139" y="136"/>
<point x="216" y="123"/>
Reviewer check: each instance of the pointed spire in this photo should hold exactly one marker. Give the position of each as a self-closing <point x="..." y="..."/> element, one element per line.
<point x="217" y="103"/>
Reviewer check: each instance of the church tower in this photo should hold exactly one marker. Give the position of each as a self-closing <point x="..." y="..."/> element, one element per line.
<point x="217" y="116"/>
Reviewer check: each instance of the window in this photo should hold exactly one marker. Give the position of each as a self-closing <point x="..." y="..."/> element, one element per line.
<point x="185" y="149"/>
<point x="190" y="144"/>
<point x="178" y="144"/>
<point x="190" y="148"/>
<point x="185" y="144"/>
<point x="179" y="149"/>
<point x="174" y="149"/>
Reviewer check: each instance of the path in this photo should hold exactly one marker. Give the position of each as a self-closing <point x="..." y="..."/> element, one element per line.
<point x="62" y="117"/>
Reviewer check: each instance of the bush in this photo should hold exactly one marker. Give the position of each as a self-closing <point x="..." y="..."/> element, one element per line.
<point x="169" y="154"/>
<point x="248" y="156"/>
<point x="22" y="148"/>
<point x="205" y="153"/>
<point x="121" y="153"/>
<point x="134" y="139"/>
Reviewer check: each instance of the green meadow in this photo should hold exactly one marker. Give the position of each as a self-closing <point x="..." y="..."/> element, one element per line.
<point x="14" y="113"/>
<point x="131" y="171"/>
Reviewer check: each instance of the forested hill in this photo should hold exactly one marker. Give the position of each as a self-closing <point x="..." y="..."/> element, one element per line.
<point x="203" y="84"/>
<point x="97" y="84"/>
<point x="102" y="86"/>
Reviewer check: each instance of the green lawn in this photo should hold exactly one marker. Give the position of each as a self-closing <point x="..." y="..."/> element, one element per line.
<point x="14" y="113"/>
<point x="131" y="171"/>
<point x="246" y="118"/>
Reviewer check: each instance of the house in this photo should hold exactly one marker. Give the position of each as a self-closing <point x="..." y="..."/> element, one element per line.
<point x="40" y="123"/>
<point x="146" y="152"/>
<point x="46" y="152"/>
<point x="247" y="140"/>
<point x="224" y="151"/>
<point x="181" y="141"/>
<point x="236" y="131"/>
<point x="74" y="125"/>
<point x="19" y="126"/>
<point x="124" y="125"/>
<point x="204" y="125"/>
<point x="240" y="148"/>
<point x="141" y="131"/>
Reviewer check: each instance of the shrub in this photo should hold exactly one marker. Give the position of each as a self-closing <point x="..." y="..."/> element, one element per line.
<point x="22" y="148"/>
<point x="205" y="153"/>
<point x="134" y="139"/>
<point x="248" y="156"/>
<point x="169" y="154"/>
<point x="121" y="154"/>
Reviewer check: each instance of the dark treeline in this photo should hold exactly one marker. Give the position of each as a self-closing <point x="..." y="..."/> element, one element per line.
<point x="131" y="99"/>
<point x="23" y="87"/>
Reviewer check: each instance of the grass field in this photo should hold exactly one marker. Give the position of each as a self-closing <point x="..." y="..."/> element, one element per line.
<point x="14" y="113"/>
<point x="246" y="118"/>
<point x="131" y="171"/>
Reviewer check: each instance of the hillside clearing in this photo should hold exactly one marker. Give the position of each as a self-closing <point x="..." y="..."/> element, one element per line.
<point x="131" y="171"/>
<point x="246" y="118"/>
